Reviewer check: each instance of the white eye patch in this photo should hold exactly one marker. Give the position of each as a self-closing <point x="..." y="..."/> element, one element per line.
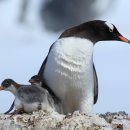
<point x="111" y="27"/>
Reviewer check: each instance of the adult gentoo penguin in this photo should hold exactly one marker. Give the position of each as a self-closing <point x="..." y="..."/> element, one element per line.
<point x="69" y="69"/>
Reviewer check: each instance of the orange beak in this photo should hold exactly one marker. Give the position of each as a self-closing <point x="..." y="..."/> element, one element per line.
<point x="1" y="88"/>
<point x="124" y="39"/>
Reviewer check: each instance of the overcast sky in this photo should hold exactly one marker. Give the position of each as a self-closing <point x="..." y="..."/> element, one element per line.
<point x="23" y="48"/>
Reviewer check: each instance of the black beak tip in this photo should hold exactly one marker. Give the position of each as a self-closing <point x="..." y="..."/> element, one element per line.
<point x="29" y="81"/>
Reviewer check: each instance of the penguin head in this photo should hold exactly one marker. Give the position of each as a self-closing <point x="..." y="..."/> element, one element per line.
<point x="107" y="31"/>
<point x="35" y="80"/>
<point x="9" y="85"/>
<point x="95" y="31"/>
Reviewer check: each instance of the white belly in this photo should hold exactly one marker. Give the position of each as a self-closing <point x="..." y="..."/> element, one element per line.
<point x="69" y="72"/>
<point x="33" y="106"/>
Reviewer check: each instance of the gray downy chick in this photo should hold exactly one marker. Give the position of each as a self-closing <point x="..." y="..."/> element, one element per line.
<point x="35" y="80"/>
<point x="28" y="98"/>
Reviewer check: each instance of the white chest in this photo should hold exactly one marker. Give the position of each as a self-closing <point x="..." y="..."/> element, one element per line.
<point x="27" y="107"/>
<point x="69" y="68"/>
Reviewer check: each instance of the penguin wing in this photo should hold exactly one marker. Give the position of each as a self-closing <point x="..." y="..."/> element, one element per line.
<point x="10" y="109"/>
<point x="40" y="73"/>
<point x="95" y="85"/>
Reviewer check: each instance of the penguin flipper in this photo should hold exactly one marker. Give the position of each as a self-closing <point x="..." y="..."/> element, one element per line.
<point x="10" y="109"/>
<point x="40" y="74"/>
<point x="41" y="71"/>
<point x="95" y="85"/>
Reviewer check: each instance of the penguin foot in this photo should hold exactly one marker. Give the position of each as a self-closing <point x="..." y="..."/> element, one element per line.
<point x="18" y="111"/>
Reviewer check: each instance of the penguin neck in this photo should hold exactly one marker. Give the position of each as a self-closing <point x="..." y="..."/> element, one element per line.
<point x="38" y="85"/>
<point x="13" y="88"/>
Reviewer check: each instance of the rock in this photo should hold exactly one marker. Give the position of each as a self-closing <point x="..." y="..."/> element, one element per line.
<point x="41" y="120"/>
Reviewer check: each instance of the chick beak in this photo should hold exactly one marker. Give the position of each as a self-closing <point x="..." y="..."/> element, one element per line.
<point x="1" y="88"/>
<point x="31" y="81"/>
<point x="124" y="39"/>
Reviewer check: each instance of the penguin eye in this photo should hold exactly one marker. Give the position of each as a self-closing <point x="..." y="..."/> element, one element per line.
<point x="110" y="30"/>
<point x="37" y="80"/>
<point x="7" y="84"/>
<point x="110" y="26"/>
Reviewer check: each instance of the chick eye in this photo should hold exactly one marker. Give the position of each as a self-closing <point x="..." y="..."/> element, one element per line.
<point x="6" y="84"/>
<point x="38" y="80"/>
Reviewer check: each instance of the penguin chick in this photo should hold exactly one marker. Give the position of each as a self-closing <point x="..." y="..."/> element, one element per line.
<point x="35" y="80"/>
<point x="28" y="98"/>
